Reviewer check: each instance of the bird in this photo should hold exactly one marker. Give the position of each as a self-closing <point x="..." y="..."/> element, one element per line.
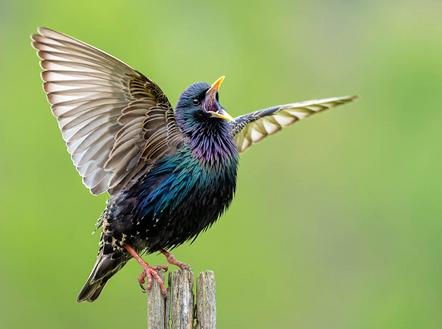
<point x="170" y="172"/>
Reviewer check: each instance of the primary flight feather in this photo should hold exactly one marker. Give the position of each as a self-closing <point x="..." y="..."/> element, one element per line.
<point x="170" y="173"/>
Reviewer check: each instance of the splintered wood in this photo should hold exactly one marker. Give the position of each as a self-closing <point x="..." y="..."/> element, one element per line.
<point x="182" y="309"/>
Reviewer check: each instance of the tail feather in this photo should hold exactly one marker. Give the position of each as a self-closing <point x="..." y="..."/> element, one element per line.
<point x="104" y="268"/>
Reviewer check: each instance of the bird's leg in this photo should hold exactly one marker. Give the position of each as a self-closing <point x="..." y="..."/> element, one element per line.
<point x="172" y="260"/>
<point x="151" y="272"/>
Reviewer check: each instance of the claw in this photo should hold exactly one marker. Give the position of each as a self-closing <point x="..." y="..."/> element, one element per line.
<point x="141" y="280"/>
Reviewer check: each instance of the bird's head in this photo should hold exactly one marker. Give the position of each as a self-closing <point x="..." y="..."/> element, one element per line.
<point x="199" y="105"/>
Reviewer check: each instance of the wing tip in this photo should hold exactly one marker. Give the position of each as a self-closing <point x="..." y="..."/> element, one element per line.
<point x="41" y="31"/>
<point x="349" y="98"/>
<point x="339" y="100"/>
<point x="44" y="31"/>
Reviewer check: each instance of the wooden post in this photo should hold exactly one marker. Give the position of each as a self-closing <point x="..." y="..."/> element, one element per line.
<point x="156" y="306"/>
<point x="181" y="309"/>
<point x="181" y="300"/>
<point x="206" y="301"/>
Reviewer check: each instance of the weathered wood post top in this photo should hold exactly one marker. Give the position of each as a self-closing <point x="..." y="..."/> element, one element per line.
<point x="182" y="309"/>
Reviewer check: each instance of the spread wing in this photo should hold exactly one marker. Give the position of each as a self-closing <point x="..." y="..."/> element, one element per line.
<point x="250" y="128"/>
<point x="114" y="120"/>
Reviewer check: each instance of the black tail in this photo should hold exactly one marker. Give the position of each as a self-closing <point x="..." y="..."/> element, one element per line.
<point x="104" y="268"/>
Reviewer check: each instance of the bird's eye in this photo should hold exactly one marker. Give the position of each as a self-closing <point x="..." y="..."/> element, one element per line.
<point x="196" y="101"/>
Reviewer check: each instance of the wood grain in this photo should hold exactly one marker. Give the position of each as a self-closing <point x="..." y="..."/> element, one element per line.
<point x="181" y="309"/>
<point x="206" y="301"/>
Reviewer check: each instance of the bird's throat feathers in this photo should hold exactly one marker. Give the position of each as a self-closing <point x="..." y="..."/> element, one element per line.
<point x="213" y="144"/>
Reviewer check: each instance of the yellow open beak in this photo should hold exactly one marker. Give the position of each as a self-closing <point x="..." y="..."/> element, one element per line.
<point x="222" y="114"/>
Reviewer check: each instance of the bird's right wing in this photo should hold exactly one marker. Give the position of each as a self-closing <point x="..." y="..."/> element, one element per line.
<point x="115" y="121"/>
<point x="250" y="128"/>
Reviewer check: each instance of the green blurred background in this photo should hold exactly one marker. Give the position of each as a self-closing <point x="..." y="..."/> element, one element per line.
<point x="337" y="220"/>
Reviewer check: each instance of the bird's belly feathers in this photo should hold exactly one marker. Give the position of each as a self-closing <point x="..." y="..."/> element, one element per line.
<point x="173" y="203"/>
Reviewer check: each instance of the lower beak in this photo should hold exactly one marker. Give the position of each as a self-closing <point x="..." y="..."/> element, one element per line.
<point x="221" y="114"/>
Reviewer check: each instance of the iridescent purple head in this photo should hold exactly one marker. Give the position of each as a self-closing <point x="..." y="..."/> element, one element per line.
<point x="199" y="106"/>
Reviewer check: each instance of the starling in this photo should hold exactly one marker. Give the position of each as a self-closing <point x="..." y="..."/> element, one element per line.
<point x="170" y="173"/>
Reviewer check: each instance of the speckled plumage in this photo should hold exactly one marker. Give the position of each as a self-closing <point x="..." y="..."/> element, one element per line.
<point x="179" y="196"/>
<point x="174" y="202"/>
<point x="170" y="173"/>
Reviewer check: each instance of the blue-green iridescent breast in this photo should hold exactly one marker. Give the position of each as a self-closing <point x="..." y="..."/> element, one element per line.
<point x="177" y="199"/>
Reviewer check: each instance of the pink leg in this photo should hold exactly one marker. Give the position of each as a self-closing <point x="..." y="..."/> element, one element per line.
<point x="151" y="272"/>
<point x="172" y="260"/>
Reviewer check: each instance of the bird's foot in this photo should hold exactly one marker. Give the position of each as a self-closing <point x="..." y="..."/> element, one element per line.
<point x="150" y="272"/>
<point x="172" y="260"/>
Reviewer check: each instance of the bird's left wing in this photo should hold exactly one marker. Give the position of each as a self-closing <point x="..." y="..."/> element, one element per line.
<point x="250" y="128"/>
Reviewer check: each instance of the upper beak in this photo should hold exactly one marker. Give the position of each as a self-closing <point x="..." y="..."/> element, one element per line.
<point x="211" y="95"/>
<point x="216" y="85"/>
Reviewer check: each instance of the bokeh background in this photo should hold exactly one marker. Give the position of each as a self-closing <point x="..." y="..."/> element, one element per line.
<point x="337" y="220"/>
